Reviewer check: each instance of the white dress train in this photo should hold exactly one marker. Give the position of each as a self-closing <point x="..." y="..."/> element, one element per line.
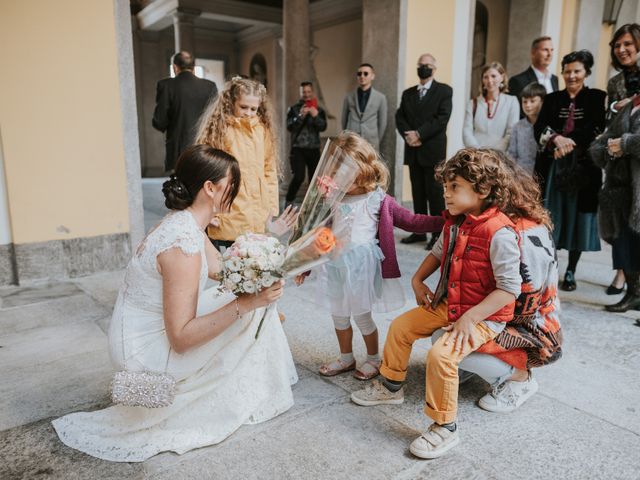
<point x="230" y="381"/>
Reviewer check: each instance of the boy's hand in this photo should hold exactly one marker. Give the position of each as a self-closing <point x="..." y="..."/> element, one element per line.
<point x="423" y="294"/>
<point x="299" y="280"/>
<point x="461" y="333"/>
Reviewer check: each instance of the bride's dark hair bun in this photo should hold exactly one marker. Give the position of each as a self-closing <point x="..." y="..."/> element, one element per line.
<point x="176" y="195"/>
<point x="197" y="165"/>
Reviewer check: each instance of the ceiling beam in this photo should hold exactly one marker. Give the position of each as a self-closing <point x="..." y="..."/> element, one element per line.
<point x="159" y="14"/>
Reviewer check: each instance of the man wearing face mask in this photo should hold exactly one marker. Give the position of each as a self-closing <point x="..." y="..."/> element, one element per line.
<point x="422" y="121"/>
<point x="364" y="110"/>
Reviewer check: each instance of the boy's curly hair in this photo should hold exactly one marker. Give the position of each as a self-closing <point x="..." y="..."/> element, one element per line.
<point x="213" y="124"/>
<point x="507" y="186"/>
<point x="374" y="172"/>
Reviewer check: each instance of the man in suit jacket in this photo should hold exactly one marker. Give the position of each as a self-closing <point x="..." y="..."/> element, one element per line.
<point x="364" y="110"/>
<point x="422" y="121"/>
<point x="538" y="72"/>
<point x="179" y="103"/>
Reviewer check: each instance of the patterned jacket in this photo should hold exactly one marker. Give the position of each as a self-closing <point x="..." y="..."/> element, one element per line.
<point x="533" y="338"/>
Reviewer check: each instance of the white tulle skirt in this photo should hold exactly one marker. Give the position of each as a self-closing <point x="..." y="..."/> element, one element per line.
<point x="354" y="283"/>
<point x="231" y="381"/>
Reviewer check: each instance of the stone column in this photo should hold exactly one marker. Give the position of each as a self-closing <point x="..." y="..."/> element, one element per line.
<point x="297" y="47"/>
<point x="296" y="65"/>
<point x="183" y="31"/>
<point x="525" y="24"/>
<point x="589" y="23"/>
<point x="383" y="45"/>
<point x="7" y="255"/>
<point x="128" y="107"/>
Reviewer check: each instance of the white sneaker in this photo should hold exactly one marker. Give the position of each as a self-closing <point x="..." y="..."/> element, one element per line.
<point x="435" y="442"/>
<point x="377" y="394"/>
<point x="508" y="396"/>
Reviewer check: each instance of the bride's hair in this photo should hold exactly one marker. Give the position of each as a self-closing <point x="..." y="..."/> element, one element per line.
<point x="195" y="166"/>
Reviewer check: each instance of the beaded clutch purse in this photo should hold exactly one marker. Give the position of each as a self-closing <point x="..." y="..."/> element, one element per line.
<point x="142" y="389"/>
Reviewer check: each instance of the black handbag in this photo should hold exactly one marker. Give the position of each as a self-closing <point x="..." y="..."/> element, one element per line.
<point x="570" y="175"/>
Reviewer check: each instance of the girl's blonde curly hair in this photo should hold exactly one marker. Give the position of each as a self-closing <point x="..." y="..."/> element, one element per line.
<point x="219" y="114"/>
<point x="507" y="186"/>
<point x="373" y="171"/>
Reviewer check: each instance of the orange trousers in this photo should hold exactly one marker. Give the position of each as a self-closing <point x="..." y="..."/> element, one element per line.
<point x="442" y="362"/>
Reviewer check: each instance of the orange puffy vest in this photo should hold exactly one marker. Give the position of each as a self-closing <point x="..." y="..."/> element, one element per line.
<point x="470" y="271"/>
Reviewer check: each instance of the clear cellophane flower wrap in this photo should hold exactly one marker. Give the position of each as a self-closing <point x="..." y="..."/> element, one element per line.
<point x="322" y="243"/>
<point x="332" y="179"/>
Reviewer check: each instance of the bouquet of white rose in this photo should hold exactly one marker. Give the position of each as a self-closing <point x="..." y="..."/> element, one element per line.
<point x="252" y="263"/>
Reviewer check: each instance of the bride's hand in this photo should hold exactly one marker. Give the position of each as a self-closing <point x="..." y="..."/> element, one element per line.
<point x="283" y="224"/>
<point x="265" y="297"/>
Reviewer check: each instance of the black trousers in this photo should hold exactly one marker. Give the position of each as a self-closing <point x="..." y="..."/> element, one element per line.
<point x="221" y="243"/>
<point x="428" y="195"/>
<point x="300" y="159"/>
<point x="625" y="252"/>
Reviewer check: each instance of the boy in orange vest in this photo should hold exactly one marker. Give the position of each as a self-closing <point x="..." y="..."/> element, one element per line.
<point x="479" y="260"/>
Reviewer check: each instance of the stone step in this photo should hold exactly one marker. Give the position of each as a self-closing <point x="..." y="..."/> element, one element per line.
<point x="50" y="371"/>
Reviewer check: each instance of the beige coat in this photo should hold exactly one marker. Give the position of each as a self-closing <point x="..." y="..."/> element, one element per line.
<point x="249" y="142"/>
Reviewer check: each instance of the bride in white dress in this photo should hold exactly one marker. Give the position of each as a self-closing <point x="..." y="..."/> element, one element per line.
<point x="164" y="321"/>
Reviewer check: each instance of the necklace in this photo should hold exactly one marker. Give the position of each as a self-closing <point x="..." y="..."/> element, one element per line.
<point x="490" y="115"/>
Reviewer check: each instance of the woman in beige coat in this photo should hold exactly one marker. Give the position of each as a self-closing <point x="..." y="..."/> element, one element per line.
<point x="239" y="122"/>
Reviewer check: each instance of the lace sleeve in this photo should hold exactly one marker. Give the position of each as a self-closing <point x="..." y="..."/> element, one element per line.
<point x="177" y="231"/>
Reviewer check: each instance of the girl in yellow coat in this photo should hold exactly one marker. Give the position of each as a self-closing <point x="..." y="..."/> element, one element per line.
<point x="240" y="122"/>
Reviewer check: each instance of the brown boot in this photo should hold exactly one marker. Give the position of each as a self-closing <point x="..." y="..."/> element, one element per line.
<point x="631" y="299"/>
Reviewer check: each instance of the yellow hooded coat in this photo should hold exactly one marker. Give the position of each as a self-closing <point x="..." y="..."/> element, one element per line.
<point x="249" y="142"/>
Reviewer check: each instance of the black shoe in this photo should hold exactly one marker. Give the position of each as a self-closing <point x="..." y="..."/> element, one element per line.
<point x="414" y="238"/>
<point x="432" y="242"/>
<point x="628" y="302"/>
<point x="569" y="282"/>
<point x="611" y="290"/>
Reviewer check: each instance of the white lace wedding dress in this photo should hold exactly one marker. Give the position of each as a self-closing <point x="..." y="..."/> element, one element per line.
<point x="230" y="381"/>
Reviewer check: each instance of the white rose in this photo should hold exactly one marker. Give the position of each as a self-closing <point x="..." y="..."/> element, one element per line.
<point x="275" y="259"/>
<point x="249" y="273"/>
<point x="254" y="251"/>
<point x="233" y="264"/>
<point x="249" y="286"/>
<point x="267" y="279"/>
<point x="263" y="263"/>
<point x="235" y="278"/>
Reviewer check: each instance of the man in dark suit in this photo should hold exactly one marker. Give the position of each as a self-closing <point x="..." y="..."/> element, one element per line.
<point x="538" y="72"/>
<point x="179" y="103"/>
<point x="422" y="121"/>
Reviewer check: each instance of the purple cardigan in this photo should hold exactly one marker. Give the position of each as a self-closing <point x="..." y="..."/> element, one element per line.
<point x="393" y="215"/>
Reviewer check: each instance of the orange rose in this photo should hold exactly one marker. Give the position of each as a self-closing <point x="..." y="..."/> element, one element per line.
<point x="325" y="241"/>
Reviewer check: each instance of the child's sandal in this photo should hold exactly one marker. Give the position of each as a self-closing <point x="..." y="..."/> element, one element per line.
<point x="336" y="368"/>
<point x="367" y="370"/>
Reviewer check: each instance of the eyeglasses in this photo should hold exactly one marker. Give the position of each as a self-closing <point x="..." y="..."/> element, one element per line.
<point x="360" y="74"/>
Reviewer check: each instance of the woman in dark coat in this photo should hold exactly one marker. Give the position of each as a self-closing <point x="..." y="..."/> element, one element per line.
<point x="618" y="152"/>
<point x="568" y="122"/>
<point x="621" y="88"/>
